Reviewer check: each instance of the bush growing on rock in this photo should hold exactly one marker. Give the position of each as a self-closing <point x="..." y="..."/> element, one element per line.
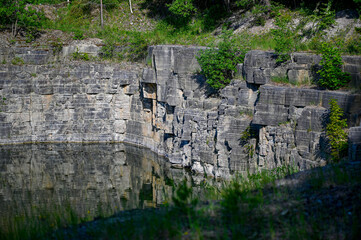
<point x="331" y="75"/>
<point x="283" y="36"/>
<point x="336" y="134"/>
<point x="219" y="64"/>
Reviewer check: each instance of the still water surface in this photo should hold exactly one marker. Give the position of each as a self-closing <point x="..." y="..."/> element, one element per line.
<point x="92" y="179"/>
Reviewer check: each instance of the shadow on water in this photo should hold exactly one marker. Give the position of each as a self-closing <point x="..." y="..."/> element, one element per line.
<point x="72" y="183"/>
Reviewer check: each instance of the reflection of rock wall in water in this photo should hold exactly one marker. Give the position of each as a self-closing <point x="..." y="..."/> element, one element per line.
<point x="87" y="176"/>
<point x="168" y="108"/>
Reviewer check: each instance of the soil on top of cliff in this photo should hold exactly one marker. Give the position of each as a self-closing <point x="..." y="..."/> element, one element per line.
<point x="148" y="22"/>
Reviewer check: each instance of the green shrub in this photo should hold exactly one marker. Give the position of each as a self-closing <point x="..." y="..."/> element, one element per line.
<point x="283" y="80"/>
<point x="336" y="134"/>
<point x="247" y="134"/>
<point x="358" y="30"/>
<point x="17" y="61"/>
<point x="260" y="20"/>
<point x="80" y="55"/>
<point x="219" y="64"/>
<point x="183" y="198"/>
<point x="21" y="17"/>
<point x="57" y="46"/>
<point x="283" y="36"/>
<point x="353" y="44"/>
<point x="182" y="8"/>
<point x="107" y="51"/>
<point x="326" y="16"/>
<point x="138" y="46"/>
<point x="78" y="35"/>
<point x="245" y="4"/>
<point x="331" y="75"/>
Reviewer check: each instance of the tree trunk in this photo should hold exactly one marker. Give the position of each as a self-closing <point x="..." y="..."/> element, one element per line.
<point x="15" y="25"/>
<point x="101" y="14"/>
<point x="227" y="3"/>
<point x="130" y="6"/>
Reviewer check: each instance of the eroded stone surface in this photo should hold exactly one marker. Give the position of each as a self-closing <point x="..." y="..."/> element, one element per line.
<point x="170" y="109"/>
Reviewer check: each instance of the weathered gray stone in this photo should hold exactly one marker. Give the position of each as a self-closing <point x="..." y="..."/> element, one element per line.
<point x="169" y="109"/>
<point x="260" y="67"/>
<point x="148" y="75"/>
<point x="312" y="119"/>
<point x="354" y="140"/>
<point x="269" y="114"/>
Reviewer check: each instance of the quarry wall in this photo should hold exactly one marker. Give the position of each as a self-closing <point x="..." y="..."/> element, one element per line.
<point x="169" y="108"/>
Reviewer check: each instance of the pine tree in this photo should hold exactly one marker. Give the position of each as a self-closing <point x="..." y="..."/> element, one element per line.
<point x="335" y="131"/>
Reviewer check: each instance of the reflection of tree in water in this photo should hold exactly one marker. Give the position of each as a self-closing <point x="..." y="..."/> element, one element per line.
<point x="92" y="178"/>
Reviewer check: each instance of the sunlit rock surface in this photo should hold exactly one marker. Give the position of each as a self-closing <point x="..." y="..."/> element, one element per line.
<point x="168" y="108"/>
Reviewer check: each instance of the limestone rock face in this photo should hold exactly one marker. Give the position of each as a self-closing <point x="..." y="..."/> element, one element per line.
<point x="169" y="108"/>
<point x="260" y="67"/>
<point x="354" y="140"/>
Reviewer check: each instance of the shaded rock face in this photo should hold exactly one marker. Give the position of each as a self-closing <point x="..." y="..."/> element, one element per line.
<point x="354" y="139"/>
<point x="169" y="108"/>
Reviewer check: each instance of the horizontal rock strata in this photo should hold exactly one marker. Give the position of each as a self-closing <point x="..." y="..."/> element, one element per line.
<point x="169" y="108"/>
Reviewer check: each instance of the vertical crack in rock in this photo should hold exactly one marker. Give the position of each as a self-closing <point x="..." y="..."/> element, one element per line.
<point x="171" y="111"/>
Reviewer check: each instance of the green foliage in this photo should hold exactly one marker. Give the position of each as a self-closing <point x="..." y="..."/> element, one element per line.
<point x="57" y="46"/>
<point x="219" y="65"/>
<point x="2" y="102"/>
<point x="282" y="80"/>
<point x="353" y="44"/>
<point x="78" y="35"/>
<point x="331" y="75"/>
<point x="260" y="20"/>
<point x="183" y="199"/>
<point x="249" y="150"/>
<point x="336" y="134"/>
<point x="17" y="61"/>
<point x="80" y="55"/>
<point x="283" y="36"/>
<point x="135" y="46"/>
<point x="138" y="46"/>
<point x="326" y="16"/>
<point x="182" y="8"/>
<point x="358" y="30"/>
<point x="20" y="17"/>
<point x="321" y="17"/>
<point x="107" y="51"/>
<point x="247" y="134"/>
<point x="238" y="190"/>
<point x="245" y="4"/>
<point x="46" y="1"/>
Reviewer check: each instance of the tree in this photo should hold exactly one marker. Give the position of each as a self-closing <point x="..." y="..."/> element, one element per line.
<point x="101" y="14"/>
<point x="130" y="6"/>
<point x="331" y="75"/>
<point x="335" y="132"/>
<point x="283" y="36"/>
<point x="19" y="16"/>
